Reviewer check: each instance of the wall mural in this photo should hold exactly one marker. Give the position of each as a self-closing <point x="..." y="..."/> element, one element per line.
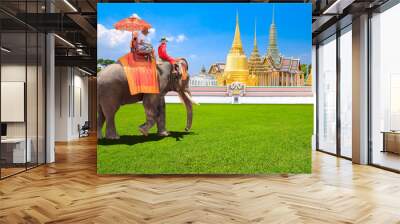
<point x="204" y="88"/>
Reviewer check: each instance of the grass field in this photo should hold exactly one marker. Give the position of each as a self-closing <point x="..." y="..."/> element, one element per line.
<point x="225" y="139"/>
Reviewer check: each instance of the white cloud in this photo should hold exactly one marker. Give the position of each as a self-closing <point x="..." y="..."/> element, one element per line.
<point x="112" y="37"/>
<point x="152" y="34"/>
<point x="134" y="15"/>
<point x="170" y="38"/>
<point x="193" y="56"/>
<point x="180" y="38"/>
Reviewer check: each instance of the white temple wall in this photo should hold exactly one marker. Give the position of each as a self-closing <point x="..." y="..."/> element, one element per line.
<point x="245" y="100"/>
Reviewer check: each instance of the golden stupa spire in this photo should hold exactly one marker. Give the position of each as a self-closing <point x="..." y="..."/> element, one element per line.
<point x="237" y="42"/>
<point x="236" y="66"/>
<point x="255" y="36"/>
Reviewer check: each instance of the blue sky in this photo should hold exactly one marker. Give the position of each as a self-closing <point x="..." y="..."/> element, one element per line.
<point x="203" y="33"/>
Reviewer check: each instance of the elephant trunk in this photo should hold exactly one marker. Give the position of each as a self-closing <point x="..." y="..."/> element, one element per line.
<point x="189" y="108"/>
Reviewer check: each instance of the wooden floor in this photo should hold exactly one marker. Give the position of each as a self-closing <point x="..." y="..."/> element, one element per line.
<point x="387" y="159"/>
<point x="69" y="191"/>
<point x="5" y="172"/>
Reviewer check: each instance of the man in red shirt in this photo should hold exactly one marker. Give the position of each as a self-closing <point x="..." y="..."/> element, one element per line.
<point x="162" y="53"/>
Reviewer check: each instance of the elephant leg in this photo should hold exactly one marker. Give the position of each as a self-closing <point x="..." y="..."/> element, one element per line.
<point x="109" y="112"/>
<point x="161" y="118"/>
<point x="100" y="121"/>
<point x="150" y="105"/>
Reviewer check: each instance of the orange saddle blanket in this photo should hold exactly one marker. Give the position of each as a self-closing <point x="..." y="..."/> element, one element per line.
<point x="141" y="74"/>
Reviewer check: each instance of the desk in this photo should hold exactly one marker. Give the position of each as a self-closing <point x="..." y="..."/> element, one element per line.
<point x="391" y="141"/>
<point x="13" y="150"/>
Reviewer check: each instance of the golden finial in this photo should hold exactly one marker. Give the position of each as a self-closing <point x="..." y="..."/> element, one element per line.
<point x="255" y="32"/>
<point x="237" y="42"/>
<point x="237" y="16"/>
<point x="273" y="13"/>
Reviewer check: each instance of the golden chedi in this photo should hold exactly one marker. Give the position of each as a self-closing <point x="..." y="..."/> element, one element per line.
<point x="273" y="69"/>
<point x="236" y="68"/>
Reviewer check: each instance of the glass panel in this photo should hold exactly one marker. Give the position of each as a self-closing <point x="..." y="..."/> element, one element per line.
<point x="327" y="95"/>
<point x="41" y="98"/>
<point x="31" y="98"/>
<point x="346" y="92"/>
<point x="23" y="87"/>
<point x="385" y="83"/>
<point x="13" y="86"/>
<point x="32" y="86"/>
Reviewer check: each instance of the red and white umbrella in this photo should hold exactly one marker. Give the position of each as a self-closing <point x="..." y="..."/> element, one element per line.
<point x="132" y="24"/>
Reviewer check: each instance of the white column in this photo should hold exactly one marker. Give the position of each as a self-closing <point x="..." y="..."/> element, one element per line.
<point x="314" y="90"/>
<point x="50" y="94"/>
<point x="360" y="90"/>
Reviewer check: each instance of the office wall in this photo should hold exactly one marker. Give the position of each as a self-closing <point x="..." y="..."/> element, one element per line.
<point x="13" y="73"/>
<point x="33" y="127"/>
<point x="92" y="98"/>
<point x="61" y="103"/>
<point x="71" y="102"/>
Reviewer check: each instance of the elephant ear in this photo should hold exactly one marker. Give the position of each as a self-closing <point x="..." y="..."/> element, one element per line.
<point x="184" y="62"/>
<point x="183" y="68"/>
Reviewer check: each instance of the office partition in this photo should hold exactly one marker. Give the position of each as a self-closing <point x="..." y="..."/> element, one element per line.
<point x="22" y="77"/>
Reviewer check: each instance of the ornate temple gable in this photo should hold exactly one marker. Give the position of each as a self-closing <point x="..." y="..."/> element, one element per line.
<point x="295" y="66"/>
<point x="216" y="68"/>
<point x="290" y="65"/>
<point x="269" y="63"/>
<point x="285" y="64"/>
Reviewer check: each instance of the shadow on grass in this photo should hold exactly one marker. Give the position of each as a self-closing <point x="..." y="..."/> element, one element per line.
<point x="136" y="139"/>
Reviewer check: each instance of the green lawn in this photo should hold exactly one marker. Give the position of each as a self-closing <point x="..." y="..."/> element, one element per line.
<point x="225" y="139"/>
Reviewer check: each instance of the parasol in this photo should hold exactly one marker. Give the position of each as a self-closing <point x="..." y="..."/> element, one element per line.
<point x="132" y="24"/>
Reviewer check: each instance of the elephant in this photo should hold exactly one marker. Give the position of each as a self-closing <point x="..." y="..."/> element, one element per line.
<point x="113" y="92"/>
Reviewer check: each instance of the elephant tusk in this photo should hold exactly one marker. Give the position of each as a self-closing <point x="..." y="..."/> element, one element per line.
<point x="190" y="98"/>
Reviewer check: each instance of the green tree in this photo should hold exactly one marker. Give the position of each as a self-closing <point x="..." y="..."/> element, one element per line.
<point x="304" y="69"/>
<point x="103" y="63"/>
<point x="108" y="62"/>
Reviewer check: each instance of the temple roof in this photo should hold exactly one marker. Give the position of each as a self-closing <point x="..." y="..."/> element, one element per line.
<point x="203" y="75"/>
<point x="284" y="64"/>
<point x="270" y="64"/>
<point x="290" y="65"/>
<point x="216" y="68"/>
